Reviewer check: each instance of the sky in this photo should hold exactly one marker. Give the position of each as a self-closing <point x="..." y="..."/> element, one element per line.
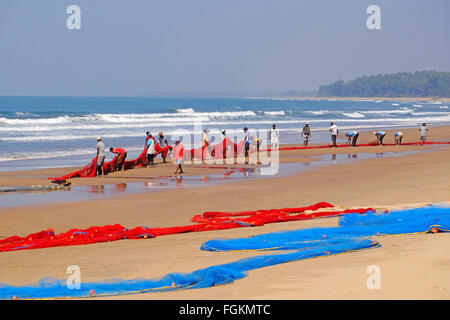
<point x="135" y="47"/>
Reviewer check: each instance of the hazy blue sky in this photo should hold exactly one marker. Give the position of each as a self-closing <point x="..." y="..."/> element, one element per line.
<point x="131" y="46"/>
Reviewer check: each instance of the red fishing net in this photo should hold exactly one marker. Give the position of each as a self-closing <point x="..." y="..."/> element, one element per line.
<point x="206" y="221"/>
<point x="90" y="169"/>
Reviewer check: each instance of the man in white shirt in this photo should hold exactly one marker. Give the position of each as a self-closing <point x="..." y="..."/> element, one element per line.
<point x="205" y="144"/>
<point x="274" y="137"/>
<point x="205" y="138"/>
<point x="334" y="133"/>
<point x="423" y="133"/>
<point x="150" y="149"/>
<point x="100" y="156"/>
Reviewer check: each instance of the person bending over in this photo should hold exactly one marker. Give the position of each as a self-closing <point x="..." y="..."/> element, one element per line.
<point x="380" y="136"/>
<point x="398" y="137"/>
<point x="121" y="155"/>
<point x="352" y="137"/>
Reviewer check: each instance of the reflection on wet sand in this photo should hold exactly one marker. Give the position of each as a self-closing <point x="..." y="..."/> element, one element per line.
<point x="231" y="173"/>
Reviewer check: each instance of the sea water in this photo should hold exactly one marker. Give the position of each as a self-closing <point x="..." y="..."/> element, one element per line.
<point x="40" y="132"/>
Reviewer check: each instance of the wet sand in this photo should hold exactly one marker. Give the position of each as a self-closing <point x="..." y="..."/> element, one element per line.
<point x="416" y="178"/>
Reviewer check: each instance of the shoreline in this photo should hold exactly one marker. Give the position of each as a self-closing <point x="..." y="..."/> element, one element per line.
<point x="438" y="133"/>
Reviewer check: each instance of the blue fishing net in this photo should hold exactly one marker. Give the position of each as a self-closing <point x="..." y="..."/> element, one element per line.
<point x="353" y="233"/>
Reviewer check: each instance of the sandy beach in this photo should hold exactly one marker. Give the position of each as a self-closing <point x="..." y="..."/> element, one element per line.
<point x="413" y="266"/>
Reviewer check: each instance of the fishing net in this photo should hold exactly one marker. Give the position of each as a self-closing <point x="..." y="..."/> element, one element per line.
<point x="374" y="143"/>
<point x="90" y="170"/>
<point x="204" y="222"/>
<point x="352" y="234"/>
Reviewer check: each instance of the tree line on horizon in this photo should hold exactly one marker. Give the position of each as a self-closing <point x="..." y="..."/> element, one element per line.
<point x="435" y="84"/>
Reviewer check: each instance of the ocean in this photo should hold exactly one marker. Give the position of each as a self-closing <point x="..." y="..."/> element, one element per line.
<point x="39" y="132"/>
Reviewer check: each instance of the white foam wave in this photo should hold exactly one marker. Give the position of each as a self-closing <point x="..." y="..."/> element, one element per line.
<point x="186" y="116"/>
<point x="55" y="120"/>
<point x="317" y="113"/>
<point x="274" y="113"/>
<point x="353" y="115"/>
<point x="396" y="111"/>
<point x="70" y="137"/>
<point x="437" y="113"/>
<point x="186" y="110"/>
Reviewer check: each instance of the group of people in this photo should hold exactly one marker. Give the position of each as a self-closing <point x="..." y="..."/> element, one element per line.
<point x="119" y="164"/>
<point x="352" y="136"/>
<point x="274" y="137"/>
<point x="150" y="143"/>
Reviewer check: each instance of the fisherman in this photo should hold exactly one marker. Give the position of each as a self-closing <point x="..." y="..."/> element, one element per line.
<point x="274" y="135"/>
<point x="247" y="140"/>
<point x="423" y="133"/>
<point x="352" y="137"/>
<point x="205" y="143"/>
<point x="334" y="133"/>
<point x="150" y="145"/>
<point x="162" y="144"/>
<point x="225" y="145"/>
<point x="398" y="136"/>
<point x="306" y="134"/>
<point x="121" y="155"/>
<point x="100" y="157"/>
<point x="178" y="153"/>
<point x="380" y="136"/>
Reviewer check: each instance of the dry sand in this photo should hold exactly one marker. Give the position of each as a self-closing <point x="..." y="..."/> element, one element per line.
<point x="413" y="267"/>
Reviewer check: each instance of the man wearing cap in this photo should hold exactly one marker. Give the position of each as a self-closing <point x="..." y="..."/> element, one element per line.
<point x="100" y="157"/>
<point x="120" y="161"/>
